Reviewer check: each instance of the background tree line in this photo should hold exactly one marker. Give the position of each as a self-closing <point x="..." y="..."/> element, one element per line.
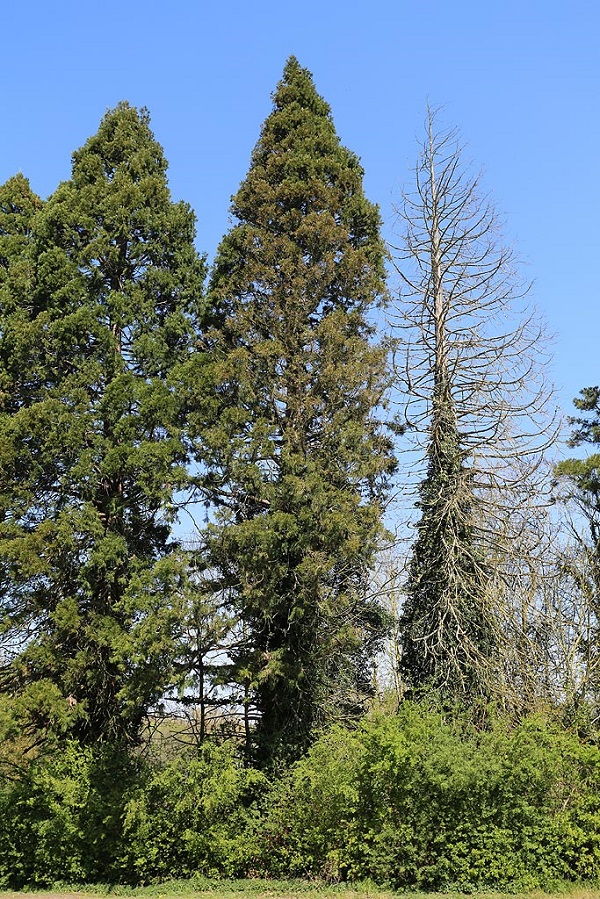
<point x="268" y="396"/>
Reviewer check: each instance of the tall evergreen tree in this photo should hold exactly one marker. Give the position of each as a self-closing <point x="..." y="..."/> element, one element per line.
<point x="579" y="489"/>
<point x="583" y="475"/>
<point x="298" y="463"/>
<point x="94" y="451"/>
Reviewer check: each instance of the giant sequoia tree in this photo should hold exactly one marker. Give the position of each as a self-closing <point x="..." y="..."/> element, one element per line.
<point x="100" y="302"/>
<point x="298" y="463"/>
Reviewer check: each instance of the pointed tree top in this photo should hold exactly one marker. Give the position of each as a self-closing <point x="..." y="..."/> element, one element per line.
<point x="297" y="86"/>
<point x="18" y="205"/>
<point x="291" y="64"/>
<point x="123" y="141"/>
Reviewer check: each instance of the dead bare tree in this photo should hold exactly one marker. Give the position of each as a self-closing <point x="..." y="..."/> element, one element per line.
<point x="470" y="360"/>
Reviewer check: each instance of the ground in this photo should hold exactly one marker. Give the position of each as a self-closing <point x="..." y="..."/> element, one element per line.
<point x="280" y="890"/>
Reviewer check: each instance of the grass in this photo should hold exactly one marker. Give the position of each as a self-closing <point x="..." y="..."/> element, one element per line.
<point x="203" y="888"/>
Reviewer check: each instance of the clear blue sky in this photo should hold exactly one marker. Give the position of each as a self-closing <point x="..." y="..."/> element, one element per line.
<point x="521" y="78"/>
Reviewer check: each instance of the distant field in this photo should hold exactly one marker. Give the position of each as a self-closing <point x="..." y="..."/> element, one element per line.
<point x="261" y="889"/>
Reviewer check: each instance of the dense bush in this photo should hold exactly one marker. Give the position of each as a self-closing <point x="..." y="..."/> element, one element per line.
<point x="411" y="800"/>
<point x="192" y="816"/>
<point x="82" y="817"/>
<point x="61" y="820"/>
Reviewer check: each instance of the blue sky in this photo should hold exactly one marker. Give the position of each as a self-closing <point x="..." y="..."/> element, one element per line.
<point x="520" y="79"/>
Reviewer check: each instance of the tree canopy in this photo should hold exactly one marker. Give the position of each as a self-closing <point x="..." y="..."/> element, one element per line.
<point x="102" y="299"/>
<point x="298" y="462"/>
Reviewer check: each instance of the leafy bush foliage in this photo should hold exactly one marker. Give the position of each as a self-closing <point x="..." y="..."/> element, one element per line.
<point x="191" y="816"/>
<point x="61" y="820"/>
<point x="417" y="799"/>
<point x="84" y="817"/>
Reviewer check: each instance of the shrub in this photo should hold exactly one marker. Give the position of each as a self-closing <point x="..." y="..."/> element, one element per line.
<point x="191" y="816"/>
<point x="411" y="800"/>
<point x="415" y="800"/>
<point x="60" y="821"/>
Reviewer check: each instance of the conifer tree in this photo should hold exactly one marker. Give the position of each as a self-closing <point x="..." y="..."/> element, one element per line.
<point x="298" y="463"/>
<point x="578" y="481"/>
<point x="94" y="450"/>
<point x="583" y="475"/>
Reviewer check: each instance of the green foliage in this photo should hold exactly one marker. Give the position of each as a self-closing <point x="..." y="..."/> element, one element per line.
<point x="61" y="820"/>
<point x="18" y="206"/>
<point x="415" y="801"/>
<point x="101" y="299"/>
<point x="83" y="816"/>
<point x="309" y="827"/>
<point x="583" y="475"/>
<point x="113" y="402"/>
<point x="297" y="461"/>
<point x="191" y="817"/>
<point x="579" y="488"/>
